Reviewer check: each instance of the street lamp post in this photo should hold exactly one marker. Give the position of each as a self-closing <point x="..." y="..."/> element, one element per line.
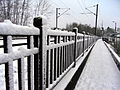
<point x="115" y="43"/>
<point x="115" y="25"/>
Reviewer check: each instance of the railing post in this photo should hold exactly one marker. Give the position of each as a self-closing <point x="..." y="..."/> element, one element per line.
<point x="39" y="23"/>
<point x="88" y="40"/>
<point x="83" y="42"/>
<point x="75" y="45"/>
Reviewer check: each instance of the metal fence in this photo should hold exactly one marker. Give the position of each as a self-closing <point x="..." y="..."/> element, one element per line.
<point x="50" y="55"/>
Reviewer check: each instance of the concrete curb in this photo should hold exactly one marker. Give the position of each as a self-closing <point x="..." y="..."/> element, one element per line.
<point x="114" y="55"/>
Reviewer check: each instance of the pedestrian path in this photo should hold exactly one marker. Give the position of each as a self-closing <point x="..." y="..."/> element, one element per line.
<point x="100" y="72"/>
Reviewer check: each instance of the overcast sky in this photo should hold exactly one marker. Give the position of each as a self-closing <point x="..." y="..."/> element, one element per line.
<point x="109" y="10"/>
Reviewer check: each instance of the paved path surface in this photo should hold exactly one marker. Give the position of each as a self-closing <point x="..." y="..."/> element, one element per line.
<point x="100" y="72"/>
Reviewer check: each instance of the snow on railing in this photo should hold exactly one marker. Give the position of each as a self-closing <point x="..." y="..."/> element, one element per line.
<point x="60" y="55"/>
<point x="7" y="28"/>
<point x="7" y="33"/>
<point x="50" y="54"/>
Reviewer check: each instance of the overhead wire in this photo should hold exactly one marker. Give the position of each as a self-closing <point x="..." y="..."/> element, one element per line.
<point x="63" y="3"/>
<point x="71" y="14"/>
<point x="57" y="5"/>
<point x="75" y="17"/>
<point x="81" y="7"/>
<point x="54" y="3"/>
<point x="67" y="6"/>
<point x="83" y="1"/>
<point x="70" y="10"/>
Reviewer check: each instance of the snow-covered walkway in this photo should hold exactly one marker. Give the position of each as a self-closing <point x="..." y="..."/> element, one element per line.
<point x="100" y="72"/>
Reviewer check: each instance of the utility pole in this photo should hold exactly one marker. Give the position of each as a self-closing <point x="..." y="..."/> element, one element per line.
<point x="57" y="18"/>
<point x="102" y="27"/>
<point x="58" y="14"/>
<point x="96" y="19"/>
<point x="96" y="14"/>
<point x="115" y="25"/>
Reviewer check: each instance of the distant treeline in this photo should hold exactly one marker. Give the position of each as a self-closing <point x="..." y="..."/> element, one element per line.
<point x="86" y="28"/>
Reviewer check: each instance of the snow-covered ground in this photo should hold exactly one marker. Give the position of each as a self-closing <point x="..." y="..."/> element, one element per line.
<point x="100" y="72"/>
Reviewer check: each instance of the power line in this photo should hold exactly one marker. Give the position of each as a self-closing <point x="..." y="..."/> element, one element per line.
<point x="73" y="10"/>
<point x="58" y="14"/>
<point x="90" y="11"/>
<point x="96" y="14"/>
<point x="74" y="17"/>
<point x="54" y="3"/>
<point x="91" y="6"/>
<point x="67" y="6"/>
<point x="63" y="3"/>
<point x="70" y="9"/>
<point x="84" y="3"/>
<point x="81" y="7"/>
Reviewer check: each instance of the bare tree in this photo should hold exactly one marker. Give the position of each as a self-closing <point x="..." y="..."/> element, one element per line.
<point x="8" y="8"/>
<point x="27" y="13"/>
<point x="42" y="8"/>
<point x="19" y="11"/>
<point x="23" y="10"/>
<point x="16" y="11"/>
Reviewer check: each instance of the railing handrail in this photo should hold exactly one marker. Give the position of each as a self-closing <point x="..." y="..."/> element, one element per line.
<point x="13" y="29"/>
<point x="4" y="58"/>
<point x="61" y="33"/>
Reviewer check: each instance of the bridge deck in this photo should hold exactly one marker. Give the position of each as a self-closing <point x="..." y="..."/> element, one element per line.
<point x="100" y="72"/>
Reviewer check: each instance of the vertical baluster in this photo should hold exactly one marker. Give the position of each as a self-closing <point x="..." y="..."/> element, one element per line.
<point x="56" y="58"/>
<point x="78" y="48"/>
<point x="68" y="56"/>
<point x="7" y="40"/>
<point x="61" y="60"/>
<point x="65" y="54"/>
<point x="30" y="45"/>
<point x="53" y="54"/>
<point x="21" y="78"/>
<point x="58" y="62"/>
<point x="83" y="43"/>
<point x="59" y="41"/>
<point x="48" y="64"/>
<point x="70" y="51"/>
<point x="88" y="41"/>
<point x="51" y="66"/>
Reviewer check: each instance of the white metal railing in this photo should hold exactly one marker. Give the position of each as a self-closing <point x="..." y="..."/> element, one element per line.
<point x="50" y="54"/>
